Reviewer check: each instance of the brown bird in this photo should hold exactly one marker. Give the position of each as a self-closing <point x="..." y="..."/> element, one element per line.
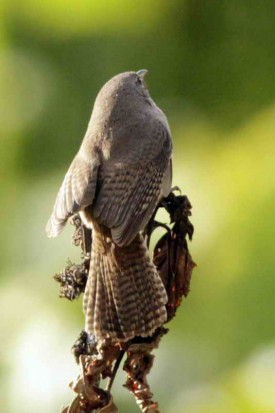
<point x="119" y="175"/>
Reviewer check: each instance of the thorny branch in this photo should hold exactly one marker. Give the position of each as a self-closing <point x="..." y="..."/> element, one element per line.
<point x="101" y="360"/>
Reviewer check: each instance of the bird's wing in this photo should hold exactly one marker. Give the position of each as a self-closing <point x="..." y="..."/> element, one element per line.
<point x="76" y="192"/>
<point x="129" y="194"/>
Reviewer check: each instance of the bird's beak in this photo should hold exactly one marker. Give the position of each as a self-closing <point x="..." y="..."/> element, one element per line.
<point x="142" y="72"/>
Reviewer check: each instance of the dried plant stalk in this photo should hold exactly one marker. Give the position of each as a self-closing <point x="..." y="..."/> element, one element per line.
<point x="138" y="364"/>
<point x="100" y="360"/>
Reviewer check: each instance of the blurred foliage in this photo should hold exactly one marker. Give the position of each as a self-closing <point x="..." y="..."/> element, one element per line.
<point x="211" y="68"/>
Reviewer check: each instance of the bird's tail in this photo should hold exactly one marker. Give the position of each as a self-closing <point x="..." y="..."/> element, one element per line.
<point x="124" y="296"/>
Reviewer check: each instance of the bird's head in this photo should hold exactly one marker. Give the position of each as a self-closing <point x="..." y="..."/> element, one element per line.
<point x="125" y="86"/>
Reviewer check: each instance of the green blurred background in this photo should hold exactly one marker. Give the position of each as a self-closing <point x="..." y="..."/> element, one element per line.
<point x="211" y="69"/>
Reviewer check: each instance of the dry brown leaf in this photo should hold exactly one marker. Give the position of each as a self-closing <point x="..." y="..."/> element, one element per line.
<point x="171" y="256"/>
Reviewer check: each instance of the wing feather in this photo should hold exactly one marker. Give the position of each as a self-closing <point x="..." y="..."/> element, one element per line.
<point x="76" y="192"/>
<point x="129" y="194"/>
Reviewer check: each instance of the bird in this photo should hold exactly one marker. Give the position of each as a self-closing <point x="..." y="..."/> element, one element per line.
<point x="118" y="177"/>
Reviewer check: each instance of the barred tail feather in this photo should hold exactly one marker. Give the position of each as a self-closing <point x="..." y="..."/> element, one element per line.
<point x="124" y="296"/>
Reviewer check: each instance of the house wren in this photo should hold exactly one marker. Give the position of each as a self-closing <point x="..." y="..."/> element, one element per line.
<point x="120" y="173"/>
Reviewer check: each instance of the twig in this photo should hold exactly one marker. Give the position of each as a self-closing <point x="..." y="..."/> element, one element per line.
<point x="115" y="370"/>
